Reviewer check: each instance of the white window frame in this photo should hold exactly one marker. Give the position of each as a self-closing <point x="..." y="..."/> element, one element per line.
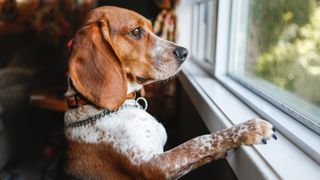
<point x="225" y="79"/>
<point x="204" y="32"/>
<point x="223" y="102"/>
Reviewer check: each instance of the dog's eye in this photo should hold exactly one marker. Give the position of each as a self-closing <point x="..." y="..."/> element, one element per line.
<point x="137" y="33"/>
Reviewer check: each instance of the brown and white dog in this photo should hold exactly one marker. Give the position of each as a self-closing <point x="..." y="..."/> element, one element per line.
<point x="114" y="54"/>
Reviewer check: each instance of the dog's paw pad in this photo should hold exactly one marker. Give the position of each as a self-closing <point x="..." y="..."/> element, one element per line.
<point x="256" y="131"/>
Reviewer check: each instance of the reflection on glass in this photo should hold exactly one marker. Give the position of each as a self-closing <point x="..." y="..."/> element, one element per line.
<point x="282" y="47"/>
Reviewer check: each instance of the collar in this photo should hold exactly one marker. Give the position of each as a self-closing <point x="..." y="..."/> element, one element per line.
<point x="107" y="112"/>
<point x="75" y="99"/>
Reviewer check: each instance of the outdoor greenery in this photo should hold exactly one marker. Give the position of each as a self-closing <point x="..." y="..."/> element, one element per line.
<point x="287" y="35"/>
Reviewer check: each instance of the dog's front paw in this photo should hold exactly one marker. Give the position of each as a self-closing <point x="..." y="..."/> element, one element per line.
<point x="255" y="131"/>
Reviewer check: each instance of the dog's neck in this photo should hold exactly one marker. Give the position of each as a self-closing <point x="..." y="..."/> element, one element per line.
<point x="80" y="108"/>
<point x="75" y="99"/>
<point x="84" y="112"/>
<point x="133" y="86"/>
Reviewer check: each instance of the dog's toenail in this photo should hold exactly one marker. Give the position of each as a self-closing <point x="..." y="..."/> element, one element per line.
<point x="274" y="136"/>
<point x="264" y="141"/>
<point x="273" y="129"/>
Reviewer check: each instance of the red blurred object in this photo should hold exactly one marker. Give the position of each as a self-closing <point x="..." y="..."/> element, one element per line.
<point x="69" y="43"/>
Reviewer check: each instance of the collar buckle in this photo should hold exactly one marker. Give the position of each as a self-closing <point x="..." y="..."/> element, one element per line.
<point x="144" y="106"/>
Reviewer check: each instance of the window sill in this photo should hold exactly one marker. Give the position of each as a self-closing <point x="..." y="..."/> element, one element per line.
<point x="220" y="109"/>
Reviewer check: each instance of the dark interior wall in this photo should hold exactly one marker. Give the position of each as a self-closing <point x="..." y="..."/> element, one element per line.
<point x="190" y="125"/>
<point x="145" y="7"/>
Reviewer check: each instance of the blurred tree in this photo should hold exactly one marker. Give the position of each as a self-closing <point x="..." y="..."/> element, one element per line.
<point x="288" y="44"/>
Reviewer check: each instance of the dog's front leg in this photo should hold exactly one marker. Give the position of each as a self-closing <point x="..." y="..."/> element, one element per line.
<point x="201" y="150"/>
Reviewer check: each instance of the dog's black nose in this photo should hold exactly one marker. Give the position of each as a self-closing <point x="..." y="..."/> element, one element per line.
<point x="180" y="53"/>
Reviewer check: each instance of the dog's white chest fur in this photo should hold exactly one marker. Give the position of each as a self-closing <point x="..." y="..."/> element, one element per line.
<point x="132" y="131"/>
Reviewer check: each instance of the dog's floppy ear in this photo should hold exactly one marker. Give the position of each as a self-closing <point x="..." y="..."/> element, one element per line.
<point x="96" y="71"/>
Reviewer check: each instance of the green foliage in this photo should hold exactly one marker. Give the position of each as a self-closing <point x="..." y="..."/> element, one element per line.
<point x="272" y="16"/>
<point x="289" y="50"/>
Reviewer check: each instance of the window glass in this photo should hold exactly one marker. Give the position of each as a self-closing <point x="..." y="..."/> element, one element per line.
<point x="203" y="33"/>
<point x="275" y="49"/>
<point x="194" y="46"/>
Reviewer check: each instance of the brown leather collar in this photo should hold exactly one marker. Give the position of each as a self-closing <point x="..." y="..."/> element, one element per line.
<point x="77" y="100"/>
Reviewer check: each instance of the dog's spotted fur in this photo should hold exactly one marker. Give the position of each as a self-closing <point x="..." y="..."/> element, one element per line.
<point x="138" y="139"/>
<point x="132" y="130"/>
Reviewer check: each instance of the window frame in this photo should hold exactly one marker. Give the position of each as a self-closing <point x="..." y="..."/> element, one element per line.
<point x="288" y="126"/>
<point x="208" y="37"/>
<point x="293" y="135"/>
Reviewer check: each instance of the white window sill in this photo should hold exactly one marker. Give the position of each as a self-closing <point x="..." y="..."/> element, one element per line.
<point x="220" y="109"/>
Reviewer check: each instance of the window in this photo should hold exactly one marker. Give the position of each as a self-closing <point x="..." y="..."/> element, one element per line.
<point x="203" y="37"/>
<point x="275" y="51"/>
<point x="258" y="48"/>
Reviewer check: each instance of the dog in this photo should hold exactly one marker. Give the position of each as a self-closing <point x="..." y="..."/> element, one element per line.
<point x="110" y="136"/>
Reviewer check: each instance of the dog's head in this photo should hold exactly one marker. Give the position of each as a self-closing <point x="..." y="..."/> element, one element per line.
<point x="116" y="48"/>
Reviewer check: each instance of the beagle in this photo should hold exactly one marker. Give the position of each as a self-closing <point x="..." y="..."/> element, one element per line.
<point x="115" y="53"/>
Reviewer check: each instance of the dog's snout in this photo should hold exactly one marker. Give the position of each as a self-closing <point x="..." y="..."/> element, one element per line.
<point x="180" y="53"/>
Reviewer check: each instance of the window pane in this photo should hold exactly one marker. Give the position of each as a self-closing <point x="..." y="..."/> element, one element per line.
<point x="203" y="30"/>
<point x="195" y="12"/>
<point x="276" y="50"/>
<point x="210" y="34"/>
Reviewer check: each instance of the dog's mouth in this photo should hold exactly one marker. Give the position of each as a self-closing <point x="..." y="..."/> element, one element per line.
<point x="159" y="74"/>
